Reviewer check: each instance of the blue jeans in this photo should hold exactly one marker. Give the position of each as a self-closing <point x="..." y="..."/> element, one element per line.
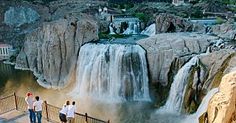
<point x="32" y="116"/>
<point x="39" y="116"/>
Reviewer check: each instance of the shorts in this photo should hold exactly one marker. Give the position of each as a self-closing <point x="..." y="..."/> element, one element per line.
<point x="62" y="117"/>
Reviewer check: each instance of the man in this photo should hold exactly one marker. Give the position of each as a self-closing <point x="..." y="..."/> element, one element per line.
<point x="71" y="112"/>
<point x="38" y="108"/>
<point x="29" y="100"/>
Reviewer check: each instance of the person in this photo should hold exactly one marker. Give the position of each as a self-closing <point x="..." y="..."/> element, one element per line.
<point x="38" y="108"/>
<point x="29" y="100"/>
<point x="71" y="112"/>
<point x="63" y="112"/>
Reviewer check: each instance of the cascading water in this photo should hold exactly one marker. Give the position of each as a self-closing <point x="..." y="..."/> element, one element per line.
<point x="133" y="28"/>
<point x="177" y="91"/>
<point x="150" y="30"/>
<point x="111" y="29"/>
<point x="112" y="72"/>
<point x="202" y="108"/>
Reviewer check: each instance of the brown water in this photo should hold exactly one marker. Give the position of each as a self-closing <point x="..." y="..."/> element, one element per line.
<point x="19" y="81"/>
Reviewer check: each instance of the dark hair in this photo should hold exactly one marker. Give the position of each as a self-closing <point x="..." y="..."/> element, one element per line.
<point x="37" y="98"/>
<point x="73" y="103"/>
<point x="67" y="102"/>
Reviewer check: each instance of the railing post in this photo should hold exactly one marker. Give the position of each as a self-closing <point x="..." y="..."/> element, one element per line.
<point x="86" y="117"/>
<point x="15" y="100"/>
<point x="46" y="108"/>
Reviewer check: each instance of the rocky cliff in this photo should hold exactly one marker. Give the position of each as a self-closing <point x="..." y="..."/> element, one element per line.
<point x="225" y="31"/>
<point x="207" y="75"/>
<point x="168" y="51"/>
<point x="222" y="107"/>
<point x="51" y="51"/>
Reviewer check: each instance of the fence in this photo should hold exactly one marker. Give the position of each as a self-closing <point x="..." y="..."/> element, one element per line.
<point x="50" y="112"/>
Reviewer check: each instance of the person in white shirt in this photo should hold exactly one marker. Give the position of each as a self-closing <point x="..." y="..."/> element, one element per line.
<point x="38" y="108"/>
<point x="71" y="112"/>
<point x="29" y="100"/>
<point x="63" y="112"/>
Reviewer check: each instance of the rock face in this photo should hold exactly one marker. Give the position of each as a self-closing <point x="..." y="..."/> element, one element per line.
<point x="17" y="16"/>
<point x="165" y="51"/>
<point x="170" y="23"/>
<point x="226" y="31"/>
<point x="222" y="107"/>
<point x="52" y="50"/>
<point x="207" y="75"/>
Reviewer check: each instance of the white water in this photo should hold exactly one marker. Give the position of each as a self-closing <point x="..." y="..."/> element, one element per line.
<point x="150" y="30"/>
<point x="112" y="72"/>
<point x="111" y="29"/>
<point x="133" y="28"/>
<point x="177" y="91"/>
<point x="202" y="108"/>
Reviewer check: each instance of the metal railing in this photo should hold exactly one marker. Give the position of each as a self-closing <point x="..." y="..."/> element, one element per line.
<point x="50" y="112"/>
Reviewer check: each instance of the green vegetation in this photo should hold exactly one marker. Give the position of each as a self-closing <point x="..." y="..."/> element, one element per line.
<point x="143" y="17"/>
<point x="219" y="20"/>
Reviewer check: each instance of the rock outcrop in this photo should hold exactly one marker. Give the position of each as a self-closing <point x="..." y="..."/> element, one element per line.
<point x="225" y="31"/>
<point x="171" y="23"/>
<point x="207" y="75"/>
<point x="222" y="107"/>
<point x="51" y="51"/>
<point x="17" y="16"/>
<point x="164" y="52"/>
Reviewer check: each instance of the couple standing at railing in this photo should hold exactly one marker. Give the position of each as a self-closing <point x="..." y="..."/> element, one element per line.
<point x="34" y="107"/>
<point x="67" y="113"/>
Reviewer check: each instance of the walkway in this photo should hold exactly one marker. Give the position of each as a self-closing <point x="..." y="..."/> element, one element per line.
<point x="16" y="117"/>
<point x="13" y="109"/>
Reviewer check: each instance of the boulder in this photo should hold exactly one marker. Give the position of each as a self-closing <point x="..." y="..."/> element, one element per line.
<point x="51" y="51"/>
<point x="171" y="23"/>
<point x="164" y="49"/>
<point x="222" y="106"/>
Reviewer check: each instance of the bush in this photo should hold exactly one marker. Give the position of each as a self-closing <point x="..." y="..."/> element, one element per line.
<point x="143" y="17"/>
<point x="219" y="20"/>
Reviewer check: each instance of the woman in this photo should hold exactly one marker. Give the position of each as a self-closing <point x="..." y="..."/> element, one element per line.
<point x="63" y="112"/>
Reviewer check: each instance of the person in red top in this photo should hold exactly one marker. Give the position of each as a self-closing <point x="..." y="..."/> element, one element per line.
<point x="29" y="100"/>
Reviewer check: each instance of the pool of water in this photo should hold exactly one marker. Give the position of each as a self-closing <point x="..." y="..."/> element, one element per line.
<point x="19" y="81"/>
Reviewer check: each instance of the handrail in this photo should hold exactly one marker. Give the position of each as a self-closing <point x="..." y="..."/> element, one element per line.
<point x="50" y="112"/>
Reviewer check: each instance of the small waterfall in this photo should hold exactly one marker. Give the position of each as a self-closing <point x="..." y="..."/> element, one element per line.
<point x="202" y="108"/>
<point x="150" y="30"/>
<point x="177" y="91"/>
<point x="133" y="28"/>
<point x="111" y="29"/>
<point x="112" y="72"/>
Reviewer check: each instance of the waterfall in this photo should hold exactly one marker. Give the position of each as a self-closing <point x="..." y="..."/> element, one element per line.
<point x="133" y="28"/>
<point x="112" y="72"/>
<point x="111" y="29"/>
<point x="150" y="30"/>
<point x="177" y="91"/>
<point x="202" y="108"/>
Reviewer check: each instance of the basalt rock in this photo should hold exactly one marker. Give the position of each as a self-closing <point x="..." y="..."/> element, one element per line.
<point x="171" y="23"/>
<point x="164" y="49"/>
<point x="52" y="50"/>
<point x="225" y="31"/>
<point x="222" y="106"/>
<point x="207" y="75"/>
